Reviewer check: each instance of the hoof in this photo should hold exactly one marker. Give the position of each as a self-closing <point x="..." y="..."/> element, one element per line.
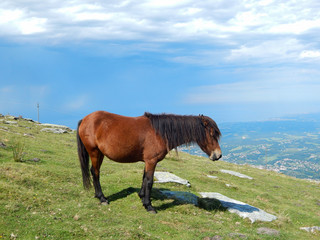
<point x="151" y="209"/>
<point x="105" y="203"/>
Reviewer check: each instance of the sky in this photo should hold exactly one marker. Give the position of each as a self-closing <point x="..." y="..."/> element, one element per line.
<point x="232" y="60"/>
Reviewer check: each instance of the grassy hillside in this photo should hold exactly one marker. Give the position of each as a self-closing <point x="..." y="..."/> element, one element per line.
<point x="45" y="199"/>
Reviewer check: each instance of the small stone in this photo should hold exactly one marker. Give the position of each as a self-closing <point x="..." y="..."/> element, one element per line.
<point x="13" y="236"/>
<point x="164" y="177"/>
<point x="35" y="160"/>
<point x="238" y="236"/>
<point x="268" y="231"/>
<point x="2" y="145"/>
<point x="210" y="176"/>
<point x="311" y="229"/>
<point x="54" y="130"/>
<point x="76" y="217"/>
<point x="240" y="175"/>
<point x="216" y="237"/>
<point x="10" y="122"/>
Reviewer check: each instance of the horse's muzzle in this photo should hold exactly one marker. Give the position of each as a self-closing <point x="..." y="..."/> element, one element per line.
<point x="215" y="155"/>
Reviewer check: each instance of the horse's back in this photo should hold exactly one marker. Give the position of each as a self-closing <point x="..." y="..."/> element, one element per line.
<point x="118" y="137"/>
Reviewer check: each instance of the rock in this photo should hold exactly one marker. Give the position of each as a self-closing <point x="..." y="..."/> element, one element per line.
<point x="2" y="145"/>
<point x="240" y="175"/>
<point x="181" y="196"/>
<point x="13" y="236"/>
<point x="54" y="130"/>
<point x="238" y="236"/>
<point x="268" y="231"/>
<point x="242" y="209"/>
<point x="311" y="229"/>
<point x="216" y="237"/>
<point x="214" y="177"/>
<point x="164" y="177"/>
<point x="35" y="160"/>
<point x="76" y="217"/>
<point x="10" y="122"/>
<point x="29" y="119"/>
<point x="48" y="125"/>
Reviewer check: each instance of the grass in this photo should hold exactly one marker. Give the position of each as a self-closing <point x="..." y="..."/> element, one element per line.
<point x="46" y="200"/>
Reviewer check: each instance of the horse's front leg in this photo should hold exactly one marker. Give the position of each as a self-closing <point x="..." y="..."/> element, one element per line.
<point x="147" y="182"/>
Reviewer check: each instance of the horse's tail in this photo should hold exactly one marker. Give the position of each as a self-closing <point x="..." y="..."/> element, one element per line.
<point x="84" y="161"/>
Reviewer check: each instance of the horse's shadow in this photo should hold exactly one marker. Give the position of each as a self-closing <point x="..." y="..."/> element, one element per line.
<point x="208" y="204"/>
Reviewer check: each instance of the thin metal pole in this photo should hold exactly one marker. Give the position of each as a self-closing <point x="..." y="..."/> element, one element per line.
<point x="38" y="112"/>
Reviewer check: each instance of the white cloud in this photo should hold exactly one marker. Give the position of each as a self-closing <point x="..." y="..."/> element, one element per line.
<point x="310" y="54"/>
<point x="248" y="29"/>
<point x="272" y="91"/>
<point x="177" y="19"/>
<point x="16" y="21"/>
<point x="274" y="50"/>
<point x="77" y="103"/>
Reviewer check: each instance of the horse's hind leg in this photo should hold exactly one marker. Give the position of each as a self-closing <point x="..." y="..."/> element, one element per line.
<point x="96" y="159"/>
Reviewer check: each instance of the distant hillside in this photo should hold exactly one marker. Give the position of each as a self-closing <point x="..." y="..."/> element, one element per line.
<point x="41" y="195"/>
<point x="290" y="146"/>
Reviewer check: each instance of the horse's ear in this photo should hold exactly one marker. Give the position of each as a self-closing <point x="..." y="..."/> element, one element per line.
<point x="204" y="120"/>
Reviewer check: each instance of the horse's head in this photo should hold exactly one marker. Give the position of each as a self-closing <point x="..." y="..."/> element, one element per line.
<point x="211" y="144"/>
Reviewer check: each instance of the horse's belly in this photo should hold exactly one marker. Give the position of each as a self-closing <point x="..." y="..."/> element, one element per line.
<point x="123" y="154"/>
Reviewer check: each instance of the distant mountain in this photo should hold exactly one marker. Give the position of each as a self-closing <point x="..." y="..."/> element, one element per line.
<point x="290" y="146"/>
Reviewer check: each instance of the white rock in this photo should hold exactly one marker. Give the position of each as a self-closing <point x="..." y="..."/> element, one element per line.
<point x="240" y="175"/>
<point x="164" y="177"/>
<point x="311" y="229"/>
<point x="49" y="125"/>
<point x="242" y="209"/>
<point x="54" y="130"/>
<point x="214" y="177"/>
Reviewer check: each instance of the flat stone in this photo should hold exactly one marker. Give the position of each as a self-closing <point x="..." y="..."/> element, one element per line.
<point x="49" y="125"/>
<point x="242" y="209"/>
<point x="214" y="177"/>
<point x="311" y="229"/>
<point x="181" y="196"/>
<point x="10" y="122"/>
<point x="54" y="130"/>
<point x="268" y="231"/>
<point x="240" y="175"/>
<point x="164" y="177"/>
<point x="237" y="236"/>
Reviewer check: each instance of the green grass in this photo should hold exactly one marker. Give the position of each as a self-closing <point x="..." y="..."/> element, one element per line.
<point x="46" y="200"/>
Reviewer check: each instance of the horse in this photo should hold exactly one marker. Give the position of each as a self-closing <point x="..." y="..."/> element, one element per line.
<point x="146" y="138"/>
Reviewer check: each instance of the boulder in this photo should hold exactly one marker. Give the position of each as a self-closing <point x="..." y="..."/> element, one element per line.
<point x="54" y="130"/>
<point x="240" y="175"/>
<point x="268" y="231"/>
<point x="311" y="229"/>
<point x="242" y="209"/>
<point x="164" y="177"/>
<point x="10" y="122"/>
<point x="48" y="125"/>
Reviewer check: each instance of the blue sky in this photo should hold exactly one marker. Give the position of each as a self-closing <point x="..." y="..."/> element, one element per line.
<point x="239" y="60"/>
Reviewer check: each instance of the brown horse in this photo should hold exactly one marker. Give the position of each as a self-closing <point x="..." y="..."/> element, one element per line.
<point x="146" y="138"/>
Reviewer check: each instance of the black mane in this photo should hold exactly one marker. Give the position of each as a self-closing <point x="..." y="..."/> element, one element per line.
<point x="182" y="129"/>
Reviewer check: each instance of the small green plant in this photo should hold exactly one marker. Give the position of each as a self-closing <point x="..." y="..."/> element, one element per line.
<point x="17" y="150"/>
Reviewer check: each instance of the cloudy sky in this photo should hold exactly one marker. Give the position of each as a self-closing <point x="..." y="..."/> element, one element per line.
<point x="233" y="60"/>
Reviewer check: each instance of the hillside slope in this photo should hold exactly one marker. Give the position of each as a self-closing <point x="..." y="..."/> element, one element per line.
<point x="42" y="196"/>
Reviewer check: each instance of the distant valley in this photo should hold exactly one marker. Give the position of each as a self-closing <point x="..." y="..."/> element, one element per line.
<point x="290" y="146"/>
